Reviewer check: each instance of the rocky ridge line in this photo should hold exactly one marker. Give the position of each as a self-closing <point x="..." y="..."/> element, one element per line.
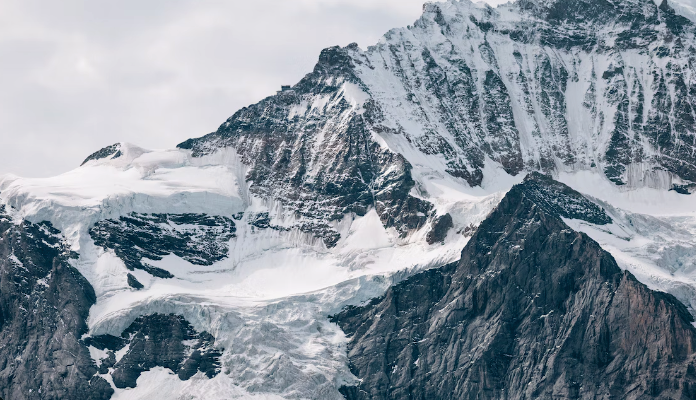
<point x="532" y="310"/>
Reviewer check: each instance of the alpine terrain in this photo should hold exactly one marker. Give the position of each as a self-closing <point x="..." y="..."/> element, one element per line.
<point x="492" y="203"/>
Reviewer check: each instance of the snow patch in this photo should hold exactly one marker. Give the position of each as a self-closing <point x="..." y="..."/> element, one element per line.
<point x="97" y="355"/>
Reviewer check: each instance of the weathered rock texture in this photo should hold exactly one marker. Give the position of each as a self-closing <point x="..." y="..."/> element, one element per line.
<point x="311" y="149"/>
<point x="438" y="231"/>
<point x="197" y="238"/>
<point x="111" y="152"/>
<point x="44" y="304"/>
<point x="536" y="85"/>
<point x="167" y="341"/>
<point x="532" y="310"/>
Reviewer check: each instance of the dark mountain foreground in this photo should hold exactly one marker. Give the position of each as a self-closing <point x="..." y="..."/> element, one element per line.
<point x="533" y="310"/>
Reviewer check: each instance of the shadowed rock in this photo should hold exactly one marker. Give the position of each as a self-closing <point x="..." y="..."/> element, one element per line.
<point x="441" y="225"/>
<point x="158" y="340"/>
<point x="532" y="310"/>
<point x="113" y="151"/>
<point x="44" y="305"/>
<point x="197" y="238"/>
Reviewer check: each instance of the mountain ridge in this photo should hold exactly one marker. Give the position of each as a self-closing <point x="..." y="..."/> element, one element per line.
<point x="424" y="98"/>
<point x="379" y="164"/>
<point x="532" y="310"/>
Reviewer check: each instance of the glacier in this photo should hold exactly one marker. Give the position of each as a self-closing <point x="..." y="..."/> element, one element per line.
<point x="335" y="184"/>
<point x="267" y="302"/>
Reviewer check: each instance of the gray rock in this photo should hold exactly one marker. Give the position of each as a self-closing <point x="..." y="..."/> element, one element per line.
<point x="532" y="310"/>
<point x="111" y="152"/>
<point x="159" y="340"/>
<point x="197" y="238"/>
<point x="44" y="305"/>
<point x="441" y="225"/>
<point x="351" y="174"/>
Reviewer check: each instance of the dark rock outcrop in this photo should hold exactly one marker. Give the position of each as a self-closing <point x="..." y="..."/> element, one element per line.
<point x="532" y="310"/>
<point x="441" y="225"/>
<point x="197" y="238"/>
<point x="44" y="305"/>
<point x="113" y="151"/>
<point x="684" y="189"/>
<point x="560" y="200"/>
<point x="134" y="282"/>
<point x="279" y="137"/>
<point x="158" y="340"/>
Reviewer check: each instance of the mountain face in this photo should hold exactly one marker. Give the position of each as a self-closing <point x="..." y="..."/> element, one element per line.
<point x="157" y="340"/>
<point x="44" y="303"/>
<point x="211" y="270"/>
<point x="531" y="86"/>
<point x="532" y="310"/>
<point x="197" y="238"/>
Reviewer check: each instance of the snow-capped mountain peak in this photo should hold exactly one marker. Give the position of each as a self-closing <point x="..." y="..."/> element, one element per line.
<point x="380" y="163"/>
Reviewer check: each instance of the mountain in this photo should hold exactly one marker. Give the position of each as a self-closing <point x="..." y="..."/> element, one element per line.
<point x="210" y="270"/>
<point x="532" y="310"/>
<point x="44" y="304"/>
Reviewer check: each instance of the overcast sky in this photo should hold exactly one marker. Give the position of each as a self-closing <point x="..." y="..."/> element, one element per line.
<point x="77" y="75"/>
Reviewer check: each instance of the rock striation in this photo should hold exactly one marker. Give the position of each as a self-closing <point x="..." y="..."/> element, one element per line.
<point x="529" y="86"/>
<point x="409" y="133"/>
<point x="197" y="238"/>
<point x="44" y="305"/>
<point x="157" y="340"/>
<point x="532" y="310"/>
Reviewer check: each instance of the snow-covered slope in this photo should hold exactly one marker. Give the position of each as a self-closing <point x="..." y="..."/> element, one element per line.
<point x="266" y="300"/>
<point x="556" y="86"/>
<point x="378" y="164"/>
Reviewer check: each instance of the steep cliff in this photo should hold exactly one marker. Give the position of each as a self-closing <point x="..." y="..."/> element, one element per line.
<point x="532" y="310"/>
<point x="44" y="304"/>
<point x="527" y="86"/>
<point x="209" y="270"/>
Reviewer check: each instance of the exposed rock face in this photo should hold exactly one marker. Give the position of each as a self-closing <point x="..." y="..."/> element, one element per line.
<point x="167" y="341"/>
<point x="558" y="199"/>
<point x="134" y="282"/>
<point x="113" y="151"/>
<point x="438" y="232"/>
<point x="532" y="310"/>
<point x="542" y="85"/>
<point x="44" y="304"/>
<point x="311" y="149"/>
<point x="532" y="86"/>
<point x="197" y="238"/>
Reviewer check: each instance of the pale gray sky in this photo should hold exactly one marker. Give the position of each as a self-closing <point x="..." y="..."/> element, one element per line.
<point x="77" y="75"/>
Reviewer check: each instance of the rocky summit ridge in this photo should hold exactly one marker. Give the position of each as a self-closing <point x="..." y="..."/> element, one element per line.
<point x="532" y="310"/>
<point x="528" y="86"/>
<point x="210" y="270"/>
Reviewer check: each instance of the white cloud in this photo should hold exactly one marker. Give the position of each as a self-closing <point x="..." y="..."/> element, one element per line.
<point x="78" y="75"/>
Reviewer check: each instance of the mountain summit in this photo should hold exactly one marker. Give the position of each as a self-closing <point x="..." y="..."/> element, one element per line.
<point x="210" y="270"/>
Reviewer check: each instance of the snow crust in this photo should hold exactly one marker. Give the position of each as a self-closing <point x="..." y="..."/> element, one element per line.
<point x="147" y="182"/>
<point x="268" y="302"/>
